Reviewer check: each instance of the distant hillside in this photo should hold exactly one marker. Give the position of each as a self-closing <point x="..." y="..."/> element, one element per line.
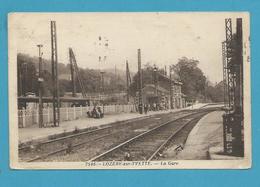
<point x="91" y="77"/>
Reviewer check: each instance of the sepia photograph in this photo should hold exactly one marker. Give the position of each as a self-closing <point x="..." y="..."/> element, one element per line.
<point x="140" y="90"/>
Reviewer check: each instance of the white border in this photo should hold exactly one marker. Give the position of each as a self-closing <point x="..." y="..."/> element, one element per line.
<point x="178" y="164"/>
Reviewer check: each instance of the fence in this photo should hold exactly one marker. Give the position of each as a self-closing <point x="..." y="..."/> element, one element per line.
<point x="29" y="117"/>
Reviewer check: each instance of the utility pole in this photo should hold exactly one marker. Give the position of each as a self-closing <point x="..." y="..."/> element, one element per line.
<point x="72" y="71"/>
<point x="102" y="82"/>
<point x="171" y="87"/>
<point x="55" y="77"/>
<point x="238" y="142"/>
<point x="40" y="80"/>
<point x="229" y="53"/>
<point x="127" y="82"/>
<point x="227" y="126"/>
<point x="20" y="80"/>
<point x="238" y="100"/>
<point x="140" y="85"/>
<point x="103" y="89"/>
<point x="24" y="78"/>
<point x="115" y="79"/>
<point x="155" y="69"/>
<point x="224" y="63"/>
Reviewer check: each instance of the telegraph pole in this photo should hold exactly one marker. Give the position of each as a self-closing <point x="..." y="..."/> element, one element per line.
<point x="103" y="89"/>
<point x="229" y="50"/>
<point x="238" y="142"/>
<point x="224" y="72"/>
<point x="102" y="82"/>
<point x="72" y="71"/>
<point x="171" y="91"/>
<point x="55" y="77"/>
<point x="24" y="80"/>
<point x="140" y="85"/>
<point x="155" y="69"/>
<point x="40" y="80"/>
<point x="20" y="80"/>
<point x="127" y="82"/>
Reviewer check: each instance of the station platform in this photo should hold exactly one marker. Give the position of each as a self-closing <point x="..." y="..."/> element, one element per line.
<point x="207" y="133"/>
<point x="35" y="133"/>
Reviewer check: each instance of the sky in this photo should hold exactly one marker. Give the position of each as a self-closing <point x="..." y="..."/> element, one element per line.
<point x="162" y="37"/>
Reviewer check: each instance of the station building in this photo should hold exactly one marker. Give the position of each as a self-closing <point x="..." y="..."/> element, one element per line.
<point x="166" y="94"/>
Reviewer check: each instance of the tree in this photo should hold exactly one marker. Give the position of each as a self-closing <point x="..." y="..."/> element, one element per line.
<point x="27" y="75"/>
<point x="216" y="93"/>
<point x="191" y="76"/>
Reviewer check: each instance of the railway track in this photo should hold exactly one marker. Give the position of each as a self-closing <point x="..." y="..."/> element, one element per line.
<point x="147" y="146"/>
<point x="65" y="145"/>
